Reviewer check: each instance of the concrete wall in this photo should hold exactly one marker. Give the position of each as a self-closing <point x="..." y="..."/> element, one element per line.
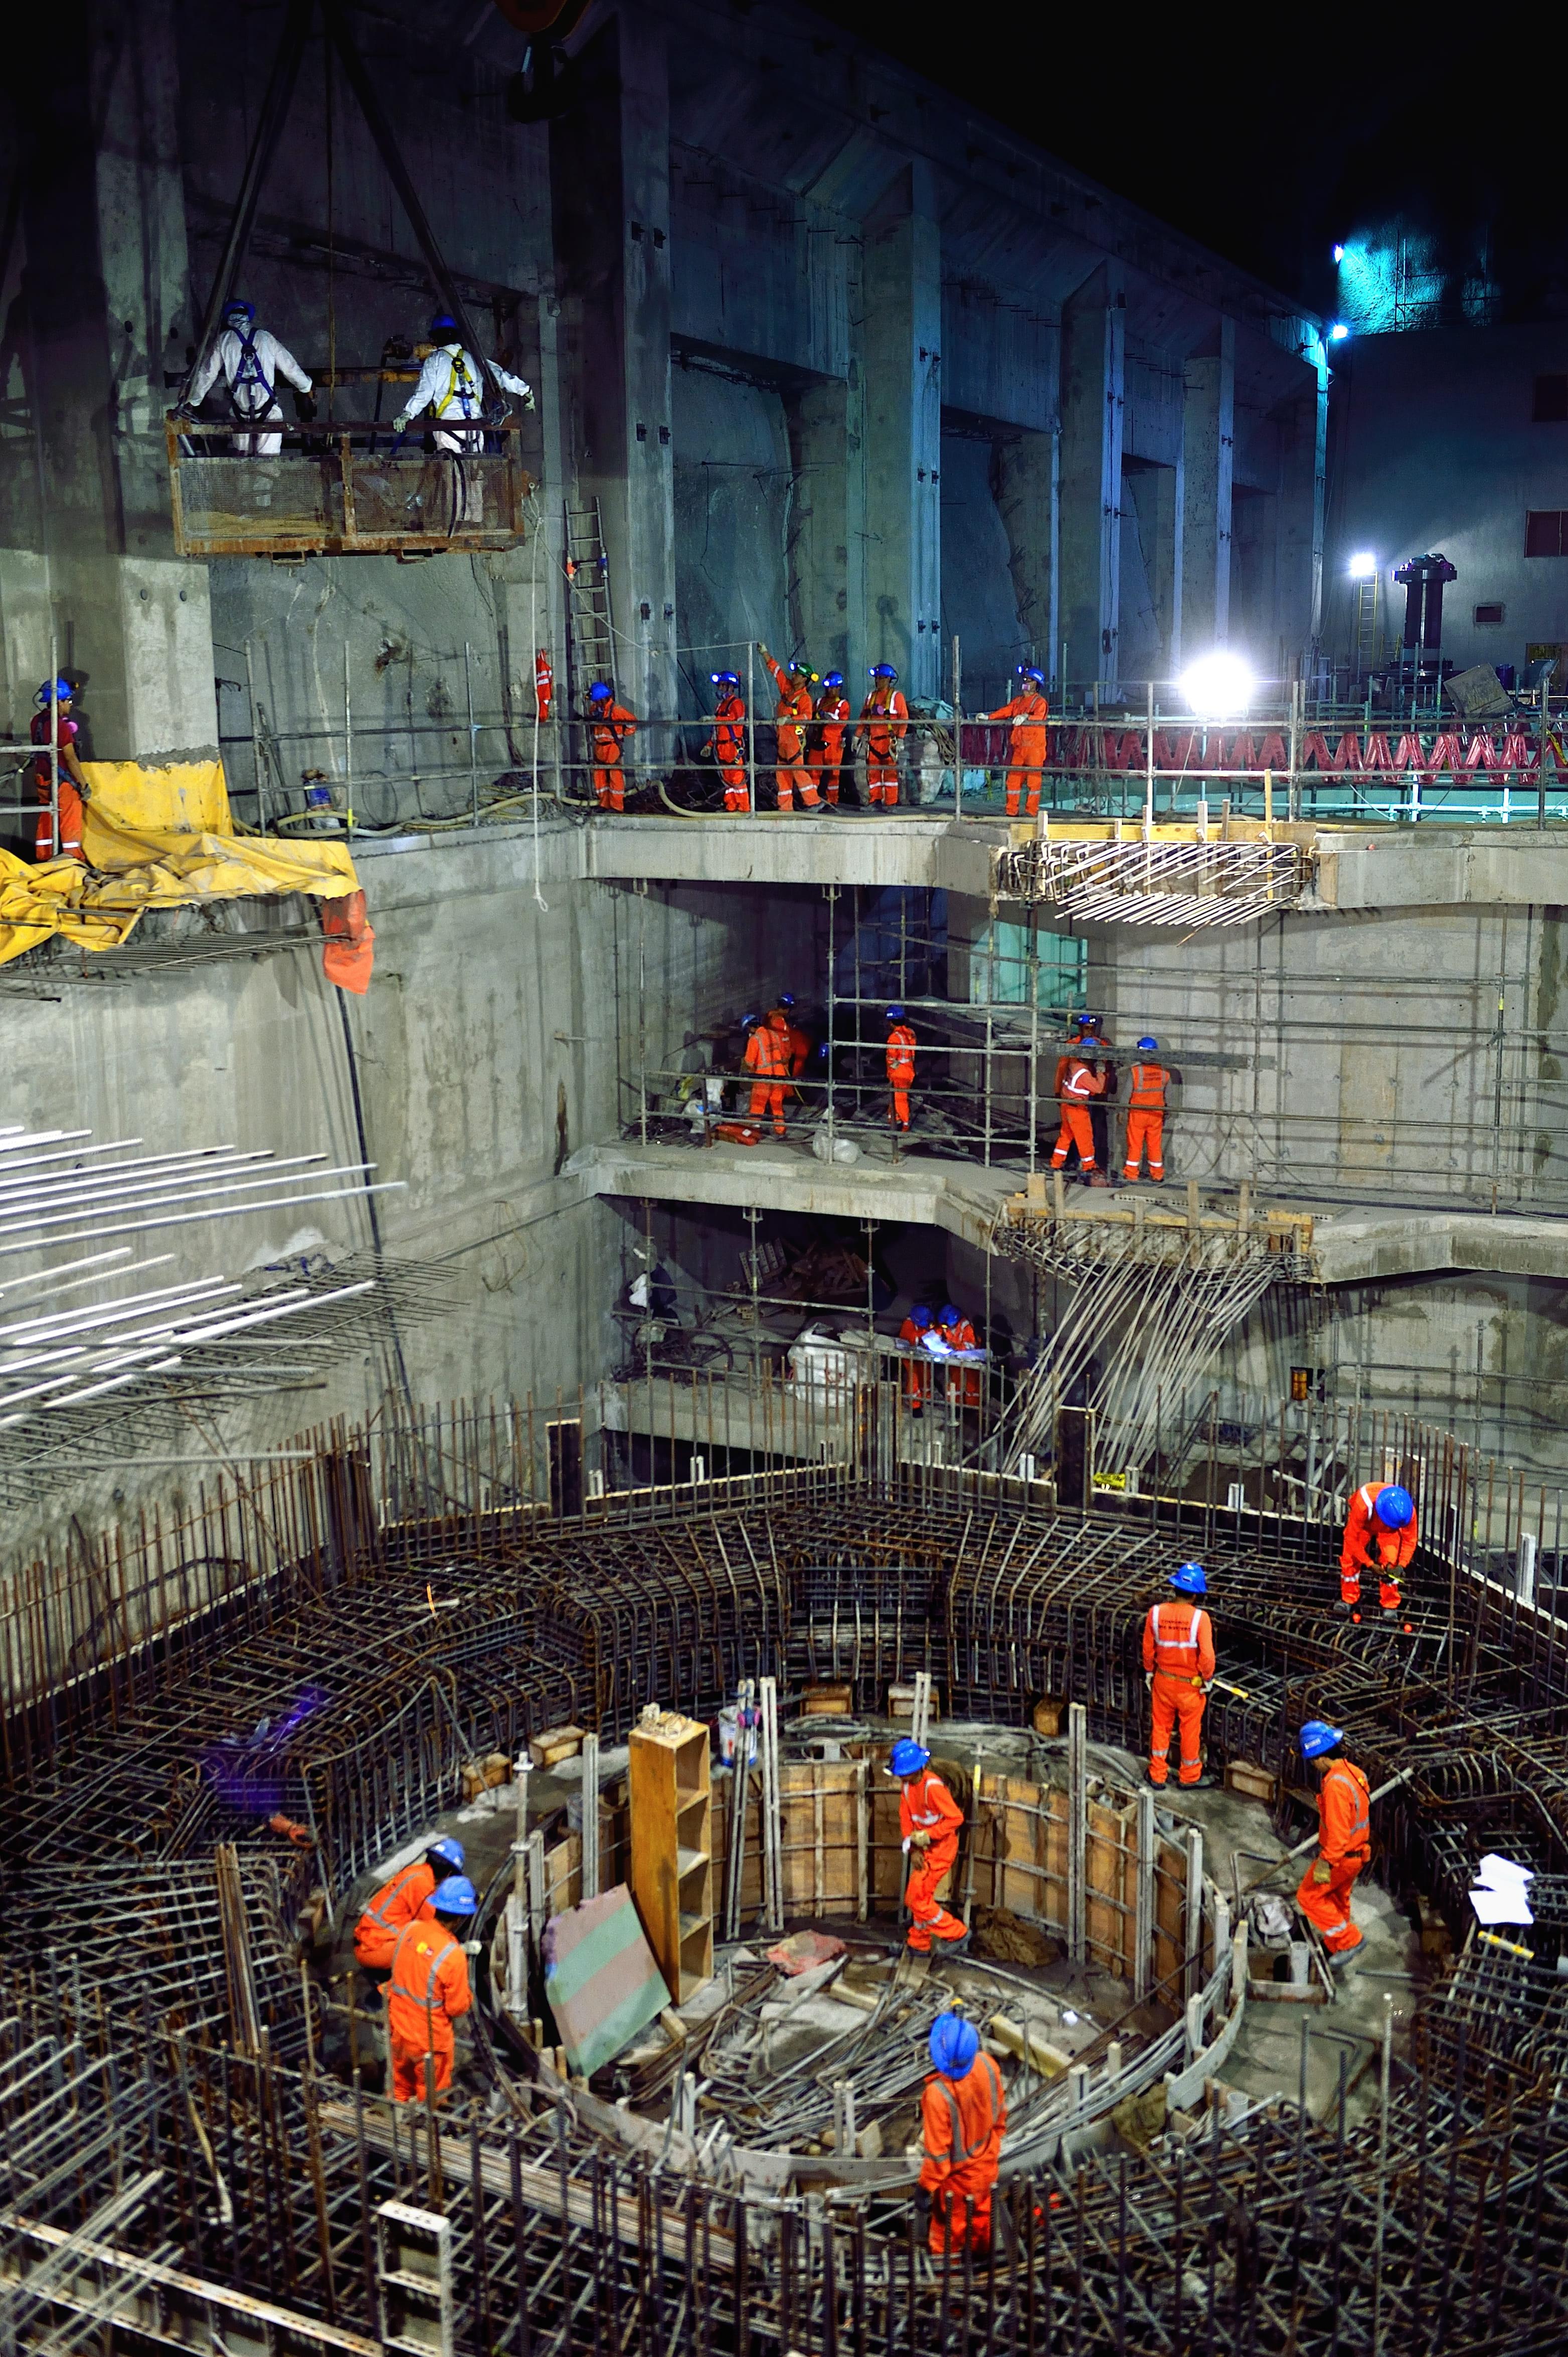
<point x="1434" y="447"/>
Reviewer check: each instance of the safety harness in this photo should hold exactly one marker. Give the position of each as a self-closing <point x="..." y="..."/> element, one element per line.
<point x="250" y="377"/>
<point x="461" y="387"/>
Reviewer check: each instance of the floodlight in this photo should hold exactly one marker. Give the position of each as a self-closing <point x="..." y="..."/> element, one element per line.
<point x="1337" y="332"/>
<point x="1339" y="254"/>
<point x="1363" y="566"/>
<point x="1218" y="685"/>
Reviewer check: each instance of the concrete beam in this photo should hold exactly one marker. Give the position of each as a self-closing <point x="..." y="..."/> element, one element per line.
<point x="1441" y="866"/>
<point x="1209" y="440"/>
<point x="916" y="853"/>
<point x="1359" y="1247"/>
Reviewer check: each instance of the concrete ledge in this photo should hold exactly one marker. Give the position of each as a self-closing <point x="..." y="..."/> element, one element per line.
<point x="922" y="851"/>
<point x="1353" y="1248"/>
<point x="782" y="1176"/>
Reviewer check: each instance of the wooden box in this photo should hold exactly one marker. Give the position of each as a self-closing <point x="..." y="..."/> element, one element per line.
<point x="828" y="1702"/>
<point x="1257" y="1784"/>
<point x="555" y="1744"/>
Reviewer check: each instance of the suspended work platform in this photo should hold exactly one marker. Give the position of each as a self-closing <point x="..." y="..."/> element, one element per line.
<point x="342" y="490"/>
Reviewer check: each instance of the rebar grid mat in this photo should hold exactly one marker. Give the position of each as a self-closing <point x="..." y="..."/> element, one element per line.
<point x="1194" y="885"/>
<point x="363" y="1655"/>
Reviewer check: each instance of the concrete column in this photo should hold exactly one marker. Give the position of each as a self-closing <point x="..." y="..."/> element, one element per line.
<point x="825" y="550"/>
<point x="1025" y="472"/>
<point x="1093" y="397"/>
<point x="902" y="369"/>
<point x="1304" y="430"/>
<point x="1209" y="435"/>
<point x="610" y="189"/>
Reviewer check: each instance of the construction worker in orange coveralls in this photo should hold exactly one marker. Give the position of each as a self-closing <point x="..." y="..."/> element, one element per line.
<point x="1178" y="1663"/>
<point x="402" y="1901"/>
<point x="917" y="1371"/>
<point x="727" y="743"/>
<point x="825" y="752"/>
<point x="929" y="1820"/>
<point x="1380" y="1529"/>
<point x="1028" y="713"/>
<point x="610" y="724"/>
<point x="1147" y="1115"/>
<point x="1080" y="1083"/>
<point x="963" y="2117"/>
<point x="901" y="1046"/>
<point x="52" y="724"/>
<point x="768" y="1058"/>
<point x="1344" y="1842"/>
<point x="791" y="714"/>
<point x="884" y="722"/>
<point x="963" y="1385"/>
<point x="428" y="1992"/>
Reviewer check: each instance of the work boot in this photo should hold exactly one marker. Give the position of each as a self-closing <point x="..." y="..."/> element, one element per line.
<point x="1390" y="1611"/>
<point x="1339" y="1958"/>
<point x="947" y="1951"/>
<point x="1342" y="1610"/>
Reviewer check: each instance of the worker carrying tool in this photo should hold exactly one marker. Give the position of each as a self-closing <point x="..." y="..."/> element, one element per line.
<point x="610" y="724"/>
<point x="1178" y="1664"/>
<point x="1147" y="1115"/>
<point x="930" y="1820"/>
<point x="901" y="1045"/>
<point x="402" y="1901"/>
<point x="884" y="722"/>
<point x="252" y="361"/>
<point x="727" y="743"/>
<point x="1379" y="1529"/>
<point x="428" y="1992"/>
<point x="58" y="833"/>
<point x="916" y="1377"/>
<point x="452" y="386"/>
<point x="767" y="1058"/>
<point x="1080" y="1083"/>
<point x="963" y="1342"/>
<point x="824" y="748"/>
<point x="963" y="2117"/>
<point x="1028" y="713"/>
<point x="1344" y="1841"/>
<point x="791" y="714"/>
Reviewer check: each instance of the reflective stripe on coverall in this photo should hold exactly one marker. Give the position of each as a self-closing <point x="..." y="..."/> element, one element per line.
<point x="427" y="1993"/>
<point x="792" y="711"/>
<point x="916" y="1372"/>
<point x="402" y="1900"/>
<point x="1082" y="1084"/>
<point x="1026" y="754"/>
<point x="69" y="805"/>
<point x="1178" y="1647"/>
<point x="1343" y="1844"/>
<point x="963" y="1382"/>
<point x="926" y="1806"/>
<point x="729" y="750"/>
<point x="901" y="1070"/>
<point x="768" y="1055"/>
<point x="1146" y="1120"/>
<point x="883" y="725"/>
<point x="610" y="726"/>
<point x="1369" y="1541"/>
<point x="962" y="2122"/>
<point x="824" y="751"/>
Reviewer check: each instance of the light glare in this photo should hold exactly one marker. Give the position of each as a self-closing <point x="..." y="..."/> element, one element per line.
<point x="1337" y="332"/>
<point x="1218" y="685"/>
<point x="1339" y="254"/>
<point x="1362" y="567"/>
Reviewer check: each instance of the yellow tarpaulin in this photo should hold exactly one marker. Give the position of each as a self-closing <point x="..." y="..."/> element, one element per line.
<point x="154" y="839"/>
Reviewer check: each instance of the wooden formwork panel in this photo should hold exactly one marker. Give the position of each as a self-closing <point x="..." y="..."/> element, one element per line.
<point x="1021" y="1848"/>
<point x="823" y="1820"/>
<point x="1111" y="1876"/>
<point x="1170" y="1910"/>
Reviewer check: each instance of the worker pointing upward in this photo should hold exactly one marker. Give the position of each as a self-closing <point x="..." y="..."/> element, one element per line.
<point x="1178" y="1663"/>
<point x="1380" y="1529"/>
<point x="791" y="714"/>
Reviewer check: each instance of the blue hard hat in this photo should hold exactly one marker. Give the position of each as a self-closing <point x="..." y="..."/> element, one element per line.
<point x="455" y="1896"/>
<point x="908" y="1757"/>
<point x="894" y="1015"/>
<point x="747" y="1019"/>
<point x="1318" y="1736"/>
<point x="954" y="2043"/>
<point x="1027" y="670"/>
<point x="919" y="1316"/>
<point x="600" y="692"/>
<point x="442" y="328"/>
<point x="949" y="1314"/>
<point x="55" y="691"/>
<point x="1148" y="1047"/>
<point x="834" y="679"/>
<point x="786" y="998"/>
<point x="1188" y="1577"/>
<point x="883" y="671"/>
<point x="449" y="1851"/>
<point x="1394" y="1507"/>
<point x="725" y="678"/>
<point x="247" y="311"/>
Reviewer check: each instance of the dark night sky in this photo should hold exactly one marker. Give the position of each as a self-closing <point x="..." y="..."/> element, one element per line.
<point x="1267" y="136"/>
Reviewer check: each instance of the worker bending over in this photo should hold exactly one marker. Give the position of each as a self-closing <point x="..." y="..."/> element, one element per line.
<point x="404" y="1900"/>
<point x="428" y="1992"/>
<point x="252" y="361"/>
<point x="901" y="1046"/>
<point x="727" y="743"/>
<point x="1379" y="1529"/>
<point x="57" y="834"/>
<point x="1028" y="713"/>
<point x="930" y="1820"/>
<point x="884" y="722"/>
<point x="963" y="2117"/>
<point x="610" y="724"/>
<point x="1079" y="1085"/>
<point x="917" y="1371"/>
<point x="825" y="748"/>
<point x="767" y="1058"/>
<point x="1178" y="1663"/>
<point x="791" y="714"/>
<point x="963" y="1342"/>
<point x="1344" y="1841"/>
<point x="1147" y="1115"/>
